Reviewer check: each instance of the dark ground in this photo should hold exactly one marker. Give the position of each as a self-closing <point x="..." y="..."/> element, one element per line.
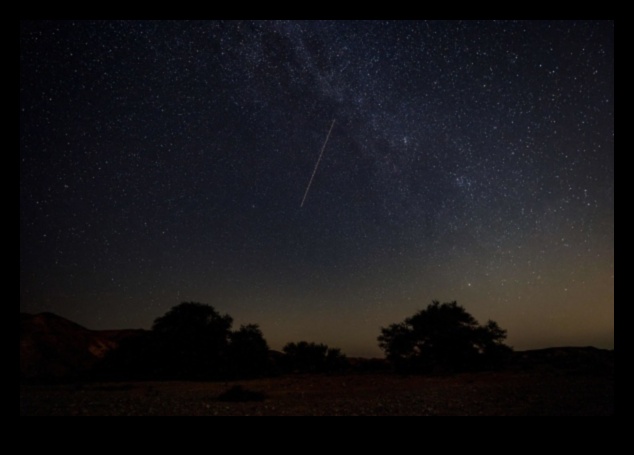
<point x="539" y="392"/>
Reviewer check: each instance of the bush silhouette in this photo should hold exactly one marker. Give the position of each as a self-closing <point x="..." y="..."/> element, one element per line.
<point x="443" y="337"/>
<point x="312" y="358"/>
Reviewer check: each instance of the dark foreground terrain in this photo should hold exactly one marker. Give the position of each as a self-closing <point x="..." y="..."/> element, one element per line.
<point x="492" y="393"/>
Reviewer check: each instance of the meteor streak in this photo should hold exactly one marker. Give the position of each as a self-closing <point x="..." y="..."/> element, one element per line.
<point x="323" y="147"/>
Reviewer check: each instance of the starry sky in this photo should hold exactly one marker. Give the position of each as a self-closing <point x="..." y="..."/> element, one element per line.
<point x="165" y="161"/>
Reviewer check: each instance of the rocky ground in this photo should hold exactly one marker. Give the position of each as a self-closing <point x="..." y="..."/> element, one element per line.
<point x="490" y="393"/>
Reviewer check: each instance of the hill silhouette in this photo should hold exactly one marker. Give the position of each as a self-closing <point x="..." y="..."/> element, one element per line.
<point x="52" y="347"/>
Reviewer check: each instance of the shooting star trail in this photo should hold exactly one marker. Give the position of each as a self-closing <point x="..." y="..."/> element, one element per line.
<point x="323" y="147"/>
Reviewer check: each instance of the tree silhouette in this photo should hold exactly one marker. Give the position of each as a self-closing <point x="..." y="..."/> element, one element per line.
<point x="248" y="351"/>
<point x="193" y="340"/>
<point x="443" y="337"/>
<point x="311" y="357"/>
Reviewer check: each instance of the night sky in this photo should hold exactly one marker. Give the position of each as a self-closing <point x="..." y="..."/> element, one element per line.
<point x="163" y="162"/>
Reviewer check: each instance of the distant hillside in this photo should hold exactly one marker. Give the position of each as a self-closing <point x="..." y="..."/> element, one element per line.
<point x="52" y="347"/>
